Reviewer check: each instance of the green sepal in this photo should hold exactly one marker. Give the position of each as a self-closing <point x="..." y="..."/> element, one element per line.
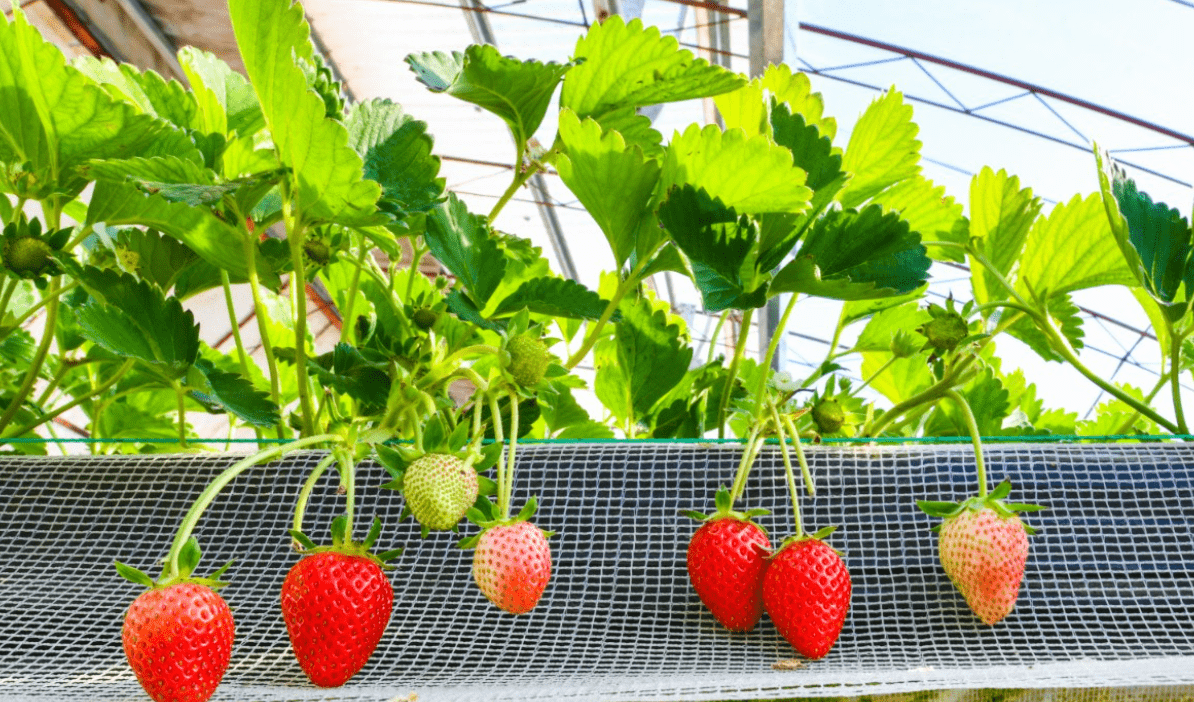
<point x="939" y="509"/>
<point x="936" y="528"/>
<point x="470" y="542"/>
<point x="487" y="486"/>
<point x="387" y="556"/>
<point x="133" y="575"/>
<point x="374" y="533"/>
<point x="1024" y="507"/>
<point x="722" y="499"/>
<point x="528" y="510"/>
<point x="1001" y="490"/>
<point x="756" y="512"/>
<point x="302" y="539"/>
<point x="489" y="457"/>
<point x="424" y="531"/>
<point x="822" y="533"/>
<point x="459" y="437"/>
<point x="340" y="530"/>
<point x="693" y="514"/>
<point x="1031" y="531"/>
<point x="548" y="534"/>
<point x="188" y="557"/>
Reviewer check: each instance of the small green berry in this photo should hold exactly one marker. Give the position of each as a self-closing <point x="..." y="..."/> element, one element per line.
<point x="27" y="255"/>
<point x="424" y="318"/>
<point x="946" y="331"/>
<point x="904" y="344"/>
<point x="317" y="252"/>
<point x="828" y="416"/>
<point x="528" y="359"/>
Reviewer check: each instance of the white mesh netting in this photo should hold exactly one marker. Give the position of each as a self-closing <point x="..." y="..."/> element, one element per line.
<point x="1104" y="611"/>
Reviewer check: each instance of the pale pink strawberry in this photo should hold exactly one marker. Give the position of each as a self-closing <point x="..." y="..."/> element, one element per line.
<point x="512" y="565"/>
<point x="984" y="555"/>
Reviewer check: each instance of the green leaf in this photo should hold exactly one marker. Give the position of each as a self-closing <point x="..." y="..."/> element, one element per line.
<point x="517" y="91"/>
<point x="327" y="183"/>
<point x="1001" y="215"/>
<point x="850" y="255"/>
<point x="929" y="212"/>
<point x="626" y="66"/>
<point x="345" y="370"/>
<point x="213" y="239"/>
<point x="591" y="429"/>
<point x="1154" y="238"/>
<point x="461" y="241"/>
<point x="54" y="119"/>
<point x="614" y="181"/>
<point x="644" y="360"/>
<point x="720" y="246"/>
<point x="857" y="310"/>
<point x="132" y="318"/>
<point x="877" y="334"/>
<point x="752" y="175"/>
<point x="810" y="150"/>
<point x="157" y="170"/>
<point x="1073" y="249"/>
<point x="883" y="149"/>
<point x="904" y="378"/>
<point x="1066" y="318"/>
<point x="149" y="91"/>
<point x="185" y="182"/>
<point x="396" y="149"/>
<point x="235" y="393"/>
<point x="746" y="108"/>
<point x="226" y="100"/>
<point x="556" y="297"/>
<point x="1116" y="417"/>
<point x="988" y="400"/>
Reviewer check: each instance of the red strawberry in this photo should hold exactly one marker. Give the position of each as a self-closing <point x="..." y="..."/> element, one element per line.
<point x="336" y="607"/>
<point x="806" y="591"/>
<point x="512" y="565"/>
<point x="984" y="555"/>
<point x="983" y="549"/>
<point x="178" y="640"/>
<point x="727" y="557"/>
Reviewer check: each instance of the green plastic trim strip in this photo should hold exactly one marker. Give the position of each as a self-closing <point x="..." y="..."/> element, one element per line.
<point x="1043" y="439"/>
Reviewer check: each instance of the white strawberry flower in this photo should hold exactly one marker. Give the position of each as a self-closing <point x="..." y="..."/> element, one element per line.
<point x="784" y="382"/>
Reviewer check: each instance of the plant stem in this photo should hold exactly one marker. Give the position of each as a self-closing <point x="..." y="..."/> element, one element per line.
<point x="348" y="473"/>
<point x="1175" y="353"/>
<point x="933" y="392"/>
<point x="972" y="427"/>
<point x="624" y="287"/>
<point x="721" y="320"/>
<point x="495" y="414"/>
<point x="300" y="507"/>
<point x="298" y="297"/>
<point x="878" y="372"/>
<point x="446" y="367"/>
<point x="520" y="177"/>
<point x="49" y="296"/>
<point x="348" y="324"/>
<point x="95" y="392"/>
<point x="771" y="348"/>
<point x="732" y="374"/>
<point x="510" y="453"/>
<point x="8" y="289"/>
<point x="806" y="473"/>
<point x="181" y="396"/>
<point x="78" y="238"/>
<point x="416" y="255"/>
<point x="213" y="489"/>
<point x="267" y="346"/>
<point x="234" y="322"/>
<point x="783" y="442"/>
<point x="753" y="444"/>
<point x="39" y="358"/>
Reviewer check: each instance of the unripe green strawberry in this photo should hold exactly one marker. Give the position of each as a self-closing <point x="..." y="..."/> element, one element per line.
<point x="828" y="416"/>
<point x="27" y="255"/>
<point x="512" y="565"/>
<point x="946" y="331"/>
<point x="178" y="640"/>
<point x="439" y="489"/>
<point x="904" y="344"/>
<point x="424" y="318"/>
<point x="528" y="359"/>
<point x="316" y="253"/>
<point x="984" y="555"/>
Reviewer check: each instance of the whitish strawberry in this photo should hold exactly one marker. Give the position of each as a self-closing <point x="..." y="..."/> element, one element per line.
<point x="983" y="548"/>
<point x="529" y="359"/>
<point x="512" y="565"/>
<point x="727" y="557"/>
<point x="806" y="591"/>
<point x="439" y="489"/>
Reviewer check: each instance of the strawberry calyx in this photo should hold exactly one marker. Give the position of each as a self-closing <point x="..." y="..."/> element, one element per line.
<point x="188" y="559"/>
<point x="725" y="510"/>
<point x="996" y="501"/>
<point x="818" y="535"/>
<point x="485" y="515"/>
<point x="342" y="543"/>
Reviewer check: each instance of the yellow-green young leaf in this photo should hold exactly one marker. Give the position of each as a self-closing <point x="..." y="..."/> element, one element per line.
<point x="752" y="175"/>
<point x="1156" y="315"/>
<point x="613" y="180"/>
<point x="628" y="66"/>
<point x="930" y="212"/>
<point x="226" y="101"/>
<point x="883" y="149"/>
<point x="517" y="91"/>
<point x="149" y="91"/>
<point x="902" y="379"/>
<point x="1116" y="417"/>
<point x="1072" y="249"/>
<point x="327" y="182"/>
<point x="877" y="334"/>
<point x="1001" y="215"/>
<point x="54" y="119"/>
<point x="746" y="107"/>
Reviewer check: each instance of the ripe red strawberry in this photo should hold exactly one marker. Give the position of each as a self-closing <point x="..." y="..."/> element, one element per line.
<point x="512" y="565"/>
<point x="984" y="555"/>
<point x="336" y="607"/>
<point x="983" y="549"/>
<point x="727" y="557"/>
<point x="806" y="591"/>
<point x="439" y="489"/>
<point x="178" y="640"/>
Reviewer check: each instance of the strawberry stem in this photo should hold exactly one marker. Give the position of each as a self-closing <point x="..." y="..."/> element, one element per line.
<point x="804" y="469"/>
<point x="510" y="453"/>
<point x="499" y="436"/>
<point x="221" y="481"/>
<point x="783" y="444"/>
<point x="732" y="373"/>
<point x="972" y="427"/>
<point x="348" y="473"/>
<point x="300" y="507"/>
<point x="754" y="443"/>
